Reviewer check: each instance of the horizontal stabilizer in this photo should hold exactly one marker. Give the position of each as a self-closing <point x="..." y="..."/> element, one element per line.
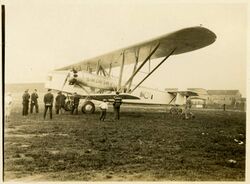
<point x="183" y="93"/>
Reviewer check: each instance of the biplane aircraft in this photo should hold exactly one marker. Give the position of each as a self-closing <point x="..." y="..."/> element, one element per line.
<point x="92" y="79"/>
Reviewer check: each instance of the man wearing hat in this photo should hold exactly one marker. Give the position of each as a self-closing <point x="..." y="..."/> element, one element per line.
<point x="117" y="103"/>
<point x="104" y="107"/>
<point x="26" y="97"/>
<point x="76" y="100"/>
<point x="48" y="102"/>
<point x="60" y="102"/>
<point x="34" y="97"/>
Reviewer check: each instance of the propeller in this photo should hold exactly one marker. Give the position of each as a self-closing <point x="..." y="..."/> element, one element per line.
<point x="73" y="80"/>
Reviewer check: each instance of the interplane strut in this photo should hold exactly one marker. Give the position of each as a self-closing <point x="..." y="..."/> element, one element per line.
<point x="153" y="70"/>
<point x="143" y="63"/>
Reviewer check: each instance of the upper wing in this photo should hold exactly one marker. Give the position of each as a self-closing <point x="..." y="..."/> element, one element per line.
<point x="184" y="40"/>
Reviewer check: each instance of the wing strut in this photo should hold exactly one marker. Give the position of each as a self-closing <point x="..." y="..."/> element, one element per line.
<point x="135" y="66"/>
<point x="154" y="69"/>
<point x="143" y="63"/>
<point x="110" y="67"/>
<point x="121" y="71"/>
<point x="172" y="100"/>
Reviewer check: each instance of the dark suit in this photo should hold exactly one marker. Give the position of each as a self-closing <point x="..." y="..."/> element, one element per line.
<point x="60" y="102"/>
<point x="33" y="102"/>
<point x="48" y="102"/>
<point x="26" y="97"/>
<point x="76" y="99"/>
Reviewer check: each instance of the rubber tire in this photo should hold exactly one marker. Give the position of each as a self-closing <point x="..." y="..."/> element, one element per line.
<point x="88" y="107"/>
<point x="180" y="111"/>
<point x="173" y="110"/>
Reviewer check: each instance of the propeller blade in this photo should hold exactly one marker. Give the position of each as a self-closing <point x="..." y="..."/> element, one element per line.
<point x="66" y="79"/>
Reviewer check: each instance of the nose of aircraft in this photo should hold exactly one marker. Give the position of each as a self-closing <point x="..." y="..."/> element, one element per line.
<point x="73" y="77"/>
<point x="72" y="81"/>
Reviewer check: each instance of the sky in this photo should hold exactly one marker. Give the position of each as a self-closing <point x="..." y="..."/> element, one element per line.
<point x="44" y="35"/>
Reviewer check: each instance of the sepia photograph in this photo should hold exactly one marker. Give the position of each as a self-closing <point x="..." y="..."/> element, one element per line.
<point x="124" y="91"/>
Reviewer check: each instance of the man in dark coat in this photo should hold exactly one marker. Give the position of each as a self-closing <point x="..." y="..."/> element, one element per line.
<point x="33" y="102"/>
<point x="48" y="102"/>
<point x="60" y="102"/>
<point x="26" y="97"/>
<point x="63" y="101"/>
<point x="117" y="103"/>
<point x="76" y="100"/>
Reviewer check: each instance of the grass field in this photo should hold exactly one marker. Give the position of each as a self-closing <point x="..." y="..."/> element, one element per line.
<point x="145" y="145"/>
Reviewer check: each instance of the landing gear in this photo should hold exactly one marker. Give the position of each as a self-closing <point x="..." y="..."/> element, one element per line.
<point x="88" y="107"/>
<point x="68" y="106"/>
<point x="176" y="110"/>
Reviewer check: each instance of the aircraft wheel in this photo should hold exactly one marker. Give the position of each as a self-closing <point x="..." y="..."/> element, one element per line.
<point x="68" y="106"/>
<point x="173" y="111"/>
<point x="88" y="107"/>
<point x="180" y="111"/>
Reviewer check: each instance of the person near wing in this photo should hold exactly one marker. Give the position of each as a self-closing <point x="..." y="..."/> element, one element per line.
<point x="104" y="107"/>
<point x="34" y="102"/>
<point x="76" y="100"/>
<point x="117" y="103"/>
<point x="188" y="105"/>
<point x="26" y="97"/>
<point x="48" y="103"/>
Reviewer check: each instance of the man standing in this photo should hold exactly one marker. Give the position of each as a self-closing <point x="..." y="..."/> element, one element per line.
<point x="63" y="99"/>
<point x="26" y="97"/>
<point x="224" y="107"/>
<point x="34" y="97"/>
<point x="104" y="107"/>
<point x="48" y="102"/>
<point x="76" y="99"/>
<point x="188" y="113"/>
<point x="60" y="102"/>
<point x="117" y="103"/>
<point x="8" y="104"/>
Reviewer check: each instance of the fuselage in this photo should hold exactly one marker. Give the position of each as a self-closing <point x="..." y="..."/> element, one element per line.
<point x="147" y="95"/>
<point x="94" y="81"/>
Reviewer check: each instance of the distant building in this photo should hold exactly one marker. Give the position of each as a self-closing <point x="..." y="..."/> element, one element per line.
<point x="200" y="91"/>
<point x="216" y="98"/>
<point x="228" y="97"/>
<point x="241" y="104"/>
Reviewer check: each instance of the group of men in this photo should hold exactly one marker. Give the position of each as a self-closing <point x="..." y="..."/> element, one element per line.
<point x="33" y="98"/>
<point x="33" y="102"/>
<point x="60" y="104"/>
<point x="48" y="102"/>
